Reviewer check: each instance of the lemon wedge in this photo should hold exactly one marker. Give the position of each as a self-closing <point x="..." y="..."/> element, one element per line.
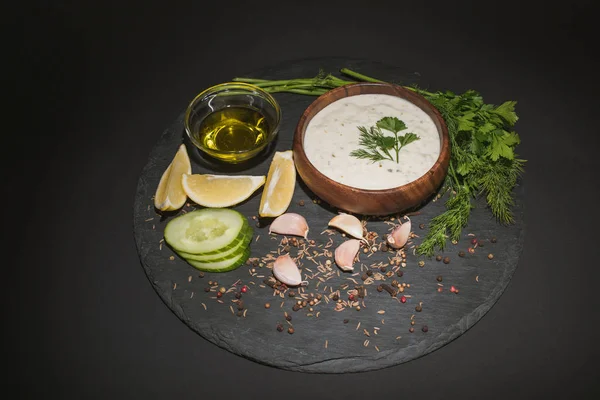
<point x="169" y="194"/>
<point x="218" y="191"/>
<point x="279" y="188"/>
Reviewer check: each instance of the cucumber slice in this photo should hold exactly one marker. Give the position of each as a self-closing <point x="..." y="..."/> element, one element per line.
<point x="222" y="266"/>
<point x="225" y="255"/>
<point x="206" y="231"/>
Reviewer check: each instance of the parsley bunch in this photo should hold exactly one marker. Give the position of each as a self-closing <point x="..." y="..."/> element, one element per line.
<point x="483" y="161"/>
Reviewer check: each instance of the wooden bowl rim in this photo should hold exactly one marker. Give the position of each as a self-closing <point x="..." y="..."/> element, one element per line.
<point x="374" y="88"/>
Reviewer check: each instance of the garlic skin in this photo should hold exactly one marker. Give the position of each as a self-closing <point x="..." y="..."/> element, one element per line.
<point x="345" y="254"/>
<point x="399" y="236"/>
<point x="348" y="224"/>
<point x="290" y="224"/>
<point x="286" y="271"/>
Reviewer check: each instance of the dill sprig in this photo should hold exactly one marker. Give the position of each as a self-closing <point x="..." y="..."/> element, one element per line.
<point x="483" y="161"/>
<point x="377" y="146"/>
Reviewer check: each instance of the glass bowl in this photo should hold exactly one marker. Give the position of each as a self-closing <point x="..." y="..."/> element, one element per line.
<point x="232" y="121"/>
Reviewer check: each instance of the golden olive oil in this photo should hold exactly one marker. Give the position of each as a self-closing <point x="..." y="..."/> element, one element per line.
<point x="234" y="129"/>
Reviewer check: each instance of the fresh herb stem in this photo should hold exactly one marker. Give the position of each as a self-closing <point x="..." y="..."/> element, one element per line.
<point x="359" y="76"/>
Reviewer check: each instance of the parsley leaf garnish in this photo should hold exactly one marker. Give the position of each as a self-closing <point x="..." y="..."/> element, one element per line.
<point x="377" y="146"/>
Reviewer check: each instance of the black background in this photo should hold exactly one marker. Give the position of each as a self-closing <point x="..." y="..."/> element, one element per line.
<point x="92" y="85"/>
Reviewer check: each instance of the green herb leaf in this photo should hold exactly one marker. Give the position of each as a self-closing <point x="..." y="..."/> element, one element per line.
<point x="392" y="124"/>
<point x="407" y="139"/>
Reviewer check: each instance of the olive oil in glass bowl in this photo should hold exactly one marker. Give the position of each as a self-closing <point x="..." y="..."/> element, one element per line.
<point x="232" y="122"/>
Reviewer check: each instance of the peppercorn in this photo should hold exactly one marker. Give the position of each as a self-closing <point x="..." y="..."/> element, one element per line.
<point x="346" y="321"/>
<point x="210" y="283"/>
<point x="296" y="307"/>
<point x="335" y="297"/>
<point x="280" y="327"/>
<point x="440" y="289"/>
<point x="471" y="250"/>
<point x="446" y="260"/>
<point x="312" y="242"/>
<point x="219" y="295"/>
<point x="369" y="272"/>
<point x="461" y="253"/>
<point x="207" y="289"/>
<point x="201" y="275"/>
<point x="403" y="299"/>
<point x="364" y="277"/>
<point x="240" y="313"/>
<point x="311" y="303"/>
<point x="421" y="263"/>
<point x="399" y="273"/>
<point x="439" y="278"/>
<point x="291" y="293"/>
<point x="301" y="203"/>
<point x="395" y="283"/>
<point x="380" y="288"/>
<point x="412" y="322"/>
<point x="288" y="317"/>
<point x="438" y="258"/>
<point x="493" y="240"/>
<point x="418" y="308"/>
<point x="357" y="308"/>
<point x="244" y="289"/>
<point x="474" y="241"/>
<point x="411" y="329"/>
<point x="385" y="248"/>
<point x="422" y="226"/>
<point x="240" y="305"/>
<point x="424" y="328"/>
<point x="222" y="290"/>
<point x="382" y="269"/>
<point x="490" y="256"/>
<point x="304" y="303"/>
<point x="290" y="330"/>
<point x="351" y="297"/>
<point x="267" y="305"/>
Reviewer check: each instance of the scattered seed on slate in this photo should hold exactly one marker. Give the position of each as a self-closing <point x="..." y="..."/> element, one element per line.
<point x="446" y="260"/>
<point x="439" y="278"/>
<point x="461" y="253"/>
<point x="399" y="273"/>
<point x="346" y="321"/>
<point x="290" y="330"/>
<point x="411" y="329"/>
<point x="438" y="258"/>
<point x="493" y="240"/>
<point x="424" y="328"/>
<point x="490" y="256"/>
<point x="418" y="308"/>
<point x="422" y="226"/>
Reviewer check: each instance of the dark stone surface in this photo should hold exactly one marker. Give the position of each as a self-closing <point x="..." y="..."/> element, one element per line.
<point x="446" y="315"/>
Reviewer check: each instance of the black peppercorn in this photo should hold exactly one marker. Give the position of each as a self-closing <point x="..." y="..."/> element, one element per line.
<point x="201" y="275"/>
<point x="438" y="258"/>
<point x="418" y="308"/>
<point x="296" y="307"/>
<point x="280" y="327"/>
<point x="446" y="260"/>
<point x="364" y="277"/>
<point x="399" y="273"/>
<point x="346" y="321"/>
<point x="382" y="269"/>
<point x="207" y="289"/>
<point x="422" y="226"/>
<point x="290" y="330"/>
<point x="370" y="273"/>
<point x="380" y="288"/>
<point x="439" y="278"/>
<point x="411" y="329"/>
<point x="461" y="253"/>
<point x="493" y="240"/>
<point x="288" y="317"/>
<point x="424" y="328"/>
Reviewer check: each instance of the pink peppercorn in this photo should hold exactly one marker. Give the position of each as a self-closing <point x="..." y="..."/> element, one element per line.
<point x="244" y="289"/>
<point x="403" y="299"/>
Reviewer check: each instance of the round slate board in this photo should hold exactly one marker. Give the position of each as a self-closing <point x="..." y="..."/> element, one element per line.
<point x="331" y="341"/>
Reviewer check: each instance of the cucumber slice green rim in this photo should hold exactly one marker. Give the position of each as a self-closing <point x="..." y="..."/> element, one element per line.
<point x="225" y="255"/>
<point x="222" y="266"/>
<point x="206" y="231"/>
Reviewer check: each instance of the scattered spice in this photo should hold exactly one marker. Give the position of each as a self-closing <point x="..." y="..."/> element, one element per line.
<point x="471" y="250"/>
<point x="421" y="226"/>
<point x="438" y="258"/>
<point x="411" y="329"/>
<point x="461" y="253"/>
<point x="446" y="260"/>
<point x="267" y="305"/>
<point x="421" y="263"/>
<point x="301" y="203"/>
<point x="424" y="328"/>
<point x="201" y="275"/>
<point x="490" y="256"/>
<point x="400" y="273"/>
<point x="439" y="278"/>
<point x="493" y="240"/>
<point x="346" y="321"/>
<point x="290" y="330"/>
<point x="279" y="327"/>
<point x="419" y="308"/>
<point x="403" y="299"/>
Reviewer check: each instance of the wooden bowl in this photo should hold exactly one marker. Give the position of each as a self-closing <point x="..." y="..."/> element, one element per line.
<point x="363" y="201"/>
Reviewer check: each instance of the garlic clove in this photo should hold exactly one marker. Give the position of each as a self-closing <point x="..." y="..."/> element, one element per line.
<point x="349" y="224"/>
<point x="290" y="224"/>
<point x="345" y="254"/>
<point x="399" y="235"/>
<point x="286" y="271"/>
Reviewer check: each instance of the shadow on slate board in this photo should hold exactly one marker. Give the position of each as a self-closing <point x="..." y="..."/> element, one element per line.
<point x="254" y="336"/>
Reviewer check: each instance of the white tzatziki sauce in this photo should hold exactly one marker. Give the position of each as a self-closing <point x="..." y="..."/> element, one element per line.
<point x="333" y="133"/>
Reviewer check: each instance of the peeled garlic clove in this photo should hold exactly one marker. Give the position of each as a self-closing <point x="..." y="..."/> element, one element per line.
<point x="349" y="224"/>
<point x="399" y="236"/>
<point x="345" y="254"/>
<point x="286" y="271"/>
<point x="290" y="224"/>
